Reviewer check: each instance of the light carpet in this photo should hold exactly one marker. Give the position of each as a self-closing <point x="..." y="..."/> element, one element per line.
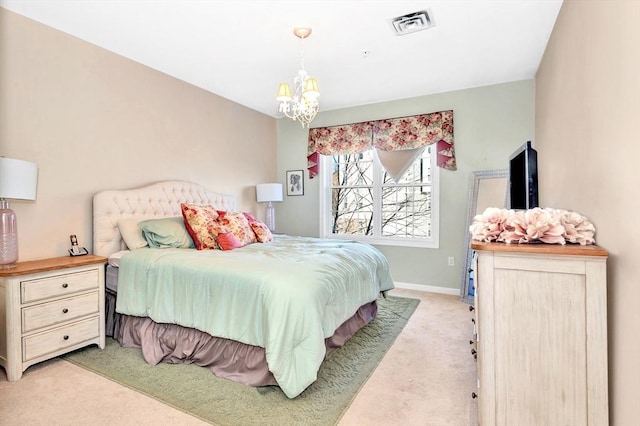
<point x="197" y="391"/>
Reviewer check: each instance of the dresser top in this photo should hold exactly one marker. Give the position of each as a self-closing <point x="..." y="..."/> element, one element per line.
<point x="52" y="264"/>
<point x="542" y="248"/>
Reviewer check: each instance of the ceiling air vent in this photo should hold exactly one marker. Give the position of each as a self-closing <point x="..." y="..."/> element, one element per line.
<point x="412" y="22"/>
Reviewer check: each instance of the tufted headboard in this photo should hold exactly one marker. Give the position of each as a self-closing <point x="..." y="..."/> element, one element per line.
<point x="160" y="199"/>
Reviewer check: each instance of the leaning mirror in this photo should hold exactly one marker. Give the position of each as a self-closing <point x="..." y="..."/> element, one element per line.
<point x="487" y="188"/>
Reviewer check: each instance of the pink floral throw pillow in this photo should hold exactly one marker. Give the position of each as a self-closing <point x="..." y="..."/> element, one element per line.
<point x="238" y="225"/>
<point x="250" y="217"/>
<point x="201" y="224"/>
<point x="228" y="241"/>
<point x="262" y="231"/>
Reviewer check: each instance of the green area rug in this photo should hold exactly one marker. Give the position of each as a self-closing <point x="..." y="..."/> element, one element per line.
<point x="197" y="391"/>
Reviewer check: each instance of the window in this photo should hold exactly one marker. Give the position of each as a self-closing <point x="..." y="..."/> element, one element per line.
<point x="379" y="179"/>
<point x="360" y="200"/>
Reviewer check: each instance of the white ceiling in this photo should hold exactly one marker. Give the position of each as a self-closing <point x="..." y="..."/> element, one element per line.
<point x="241" y="50"/>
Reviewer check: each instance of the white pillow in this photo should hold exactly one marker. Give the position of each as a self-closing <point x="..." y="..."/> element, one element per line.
<point x="132" y="233"/>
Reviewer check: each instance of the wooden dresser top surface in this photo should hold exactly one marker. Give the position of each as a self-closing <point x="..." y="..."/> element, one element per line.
<point x="542" y="248"/>
<point x="51" y="264"/>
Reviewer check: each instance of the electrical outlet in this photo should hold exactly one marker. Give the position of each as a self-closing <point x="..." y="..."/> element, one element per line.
<point x="451" y="261"/>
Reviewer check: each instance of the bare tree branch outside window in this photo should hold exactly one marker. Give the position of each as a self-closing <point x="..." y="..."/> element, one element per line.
<point x="403" y="208"/>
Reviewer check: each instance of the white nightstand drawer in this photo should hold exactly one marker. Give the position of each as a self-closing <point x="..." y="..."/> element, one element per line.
<point x="58" y="285"/>
<point x="60" y="338"/>
<point x="59" y="311"/>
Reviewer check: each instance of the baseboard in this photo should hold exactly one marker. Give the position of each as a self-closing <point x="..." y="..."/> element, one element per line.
<point x="428" y="288"/>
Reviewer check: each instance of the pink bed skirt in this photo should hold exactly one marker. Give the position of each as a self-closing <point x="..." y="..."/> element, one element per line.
<point x="233" y="360"/>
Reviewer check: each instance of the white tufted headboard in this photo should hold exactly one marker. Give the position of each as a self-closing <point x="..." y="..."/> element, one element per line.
<point x="160" y="199"/>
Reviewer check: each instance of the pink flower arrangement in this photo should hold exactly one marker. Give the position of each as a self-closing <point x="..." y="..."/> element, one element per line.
<point x="546" y="225"/>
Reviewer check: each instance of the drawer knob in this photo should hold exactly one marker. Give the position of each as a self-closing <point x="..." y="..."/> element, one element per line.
<point x="65" y="310"/>
<point x="65" y="285"/>
<point x="471" y="308"/>
<point x="471" y="342"/>
<point x="473" y="320"/>
<point x="474" y="395"/>
<point x="65" y="337"/>
<point x="473" y="351"/>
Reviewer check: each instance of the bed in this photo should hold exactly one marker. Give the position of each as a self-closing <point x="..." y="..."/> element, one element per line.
<point x="260" y="313"/>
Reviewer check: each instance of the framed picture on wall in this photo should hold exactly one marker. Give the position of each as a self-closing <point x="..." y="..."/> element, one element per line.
<point x="295" y="182"/>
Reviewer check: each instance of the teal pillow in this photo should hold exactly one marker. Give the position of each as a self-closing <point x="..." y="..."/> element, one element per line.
<point x="166" y="232"/>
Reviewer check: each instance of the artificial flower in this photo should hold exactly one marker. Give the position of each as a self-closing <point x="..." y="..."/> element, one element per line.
<point x="488" y="225"/>
<point x="577" y="228"/>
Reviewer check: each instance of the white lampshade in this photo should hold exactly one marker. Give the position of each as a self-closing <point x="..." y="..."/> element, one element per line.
<point x="18" y="179"/>
<point x="269" y="192"/>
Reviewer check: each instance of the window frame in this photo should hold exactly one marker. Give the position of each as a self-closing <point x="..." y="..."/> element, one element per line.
<point x="326" y="168"/>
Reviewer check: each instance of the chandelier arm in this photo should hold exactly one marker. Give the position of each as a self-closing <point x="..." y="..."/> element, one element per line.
<point x="302" y="54"/>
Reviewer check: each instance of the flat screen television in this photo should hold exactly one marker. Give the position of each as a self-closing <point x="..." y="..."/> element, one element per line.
<point x="523" y="178"/>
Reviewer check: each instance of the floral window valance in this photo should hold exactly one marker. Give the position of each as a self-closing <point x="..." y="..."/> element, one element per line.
<point x="395" y="134"/>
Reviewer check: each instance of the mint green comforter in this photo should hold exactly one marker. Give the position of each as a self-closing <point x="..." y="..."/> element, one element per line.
<point x="286" y="296"/>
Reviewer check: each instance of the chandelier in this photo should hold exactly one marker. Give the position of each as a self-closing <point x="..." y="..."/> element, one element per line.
<point x="303" y="105"/>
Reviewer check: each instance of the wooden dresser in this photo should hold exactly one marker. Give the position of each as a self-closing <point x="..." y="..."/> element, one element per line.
<point x="541" y="324"/>
<point x="50" y="307"/>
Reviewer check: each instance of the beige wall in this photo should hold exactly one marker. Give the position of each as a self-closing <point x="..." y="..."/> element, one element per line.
<point x="93" y="120"/>
<point x="489" y="124"/>
<point x="588" y="141"/>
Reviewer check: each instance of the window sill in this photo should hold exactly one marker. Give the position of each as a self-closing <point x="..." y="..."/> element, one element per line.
<point x="398" y="242"/>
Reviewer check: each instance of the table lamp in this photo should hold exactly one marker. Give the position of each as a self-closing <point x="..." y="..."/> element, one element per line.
<point x="18" y="181"/>
<point x="269" y="192"/>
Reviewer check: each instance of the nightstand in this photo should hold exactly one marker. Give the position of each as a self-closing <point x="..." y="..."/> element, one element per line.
<point x="49" y="307"/>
